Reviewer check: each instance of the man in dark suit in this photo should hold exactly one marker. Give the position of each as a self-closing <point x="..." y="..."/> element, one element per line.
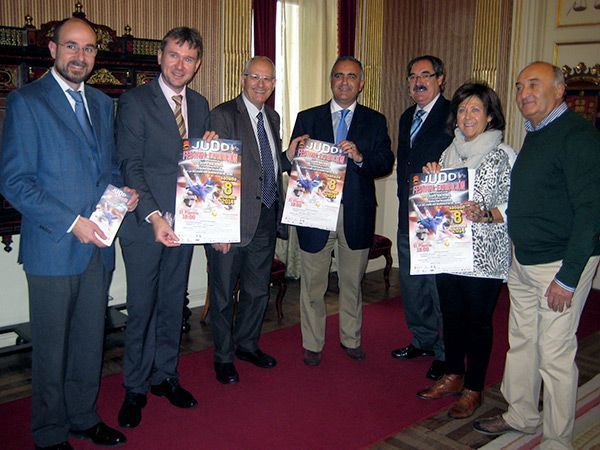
<point x="152" y="121"/>
<point x="362" y="133"/>
<point x="247" y="118"/>
<point x="57" y="153"/>
<point x="422" y="138"/>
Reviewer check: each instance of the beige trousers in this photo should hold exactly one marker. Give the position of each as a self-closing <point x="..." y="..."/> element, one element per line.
<point x="542" y="349"/>
<point x="314" y="277"/>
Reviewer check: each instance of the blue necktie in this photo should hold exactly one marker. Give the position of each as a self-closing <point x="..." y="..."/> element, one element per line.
<point x="416" y="124"/>
<point x="82" y="118"/>
<point x="269" y="185"/>
<point x="342" y="129"/>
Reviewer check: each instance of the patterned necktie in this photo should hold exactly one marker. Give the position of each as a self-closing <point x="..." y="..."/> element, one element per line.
<point x="82" y="118"/>
<point x="269" y="185"/>
<point x="342" y="129"/>
<point x="179" y="116"/>
<point x="416" y="124"/>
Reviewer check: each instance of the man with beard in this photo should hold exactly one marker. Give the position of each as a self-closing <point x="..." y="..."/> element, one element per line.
<point x="57" y="153"/>
<point x="422" y="138"/>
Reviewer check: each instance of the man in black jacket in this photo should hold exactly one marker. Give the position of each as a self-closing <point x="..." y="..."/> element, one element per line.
<point x="422" y="138"/>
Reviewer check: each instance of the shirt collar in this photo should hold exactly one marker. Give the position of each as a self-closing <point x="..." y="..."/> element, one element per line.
<point x="63" y="84"/>
<point x="429" y="106"/>
<point x="554" y="114"/>
<point x="251" y="107"/>
<point x="168" y="92"/>
<point x="334" y="107"/>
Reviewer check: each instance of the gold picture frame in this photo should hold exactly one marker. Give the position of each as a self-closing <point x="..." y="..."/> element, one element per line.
<point x="577" y="13"/>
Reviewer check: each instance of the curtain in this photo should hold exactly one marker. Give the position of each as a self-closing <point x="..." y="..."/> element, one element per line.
<point x="265" y="14"/>
<point x="308" y="49"/>
<point x="346" y="27"/>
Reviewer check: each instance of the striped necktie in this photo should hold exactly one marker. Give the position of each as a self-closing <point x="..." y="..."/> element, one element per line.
<point x="342" y="129"/>
<point x="416" y="124"/>
<point x="269" y="184"/>
<point x="179" y="116"/>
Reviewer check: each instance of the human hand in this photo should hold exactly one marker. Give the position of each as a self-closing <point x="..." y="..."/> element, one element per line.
<point x="210" y="135"/>
<point x="134" y="200"/>
<point x="223" y="248"/>
<point x="88" y="232"/>
<point x="558" y="297"/>
<point x="163" y="232"/>
<point x="294" y="145"/>
<point x="432" y="167"/>
<point x="352" y="150"/>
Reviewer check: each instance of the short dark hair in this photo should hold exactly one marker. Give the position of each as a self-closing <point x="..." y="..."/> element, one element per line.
<point x="437" y="63"/>
<point x="489" y="98"/>
<point x="351" y="59"/>
<point x="184" y="34"/>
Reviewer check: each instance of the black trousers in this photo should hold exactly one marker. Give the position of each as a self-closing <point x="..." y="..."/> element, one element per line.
<point x="467" y="305"/>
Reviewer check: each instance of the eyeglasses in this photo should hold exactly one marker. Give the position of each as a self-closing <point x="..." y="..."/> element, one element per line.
<point x="425" y="76"/>
<point x="75" y="49"/>
<point x="256" y="78"/>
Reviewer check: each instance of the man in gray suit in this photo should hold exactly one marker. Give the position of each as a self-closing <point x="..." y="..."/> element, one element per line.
<point x="152" y="122"/>
<point x="57" y="154"/>
<point x="249" y="119"/>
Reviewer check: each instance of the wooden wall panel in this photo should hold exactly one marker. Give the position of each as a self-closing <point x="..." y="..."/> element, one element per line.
<point x="149" y="19"/>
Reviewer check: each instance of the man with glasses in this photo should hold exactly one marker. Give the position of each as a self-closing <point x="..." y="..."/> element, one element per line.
<point x="422" y="138"/>
<point x="362" y="133"/>
<point x="247" y="118"/>
<point x="57" y="153"/>
<point x="152" y="121"/>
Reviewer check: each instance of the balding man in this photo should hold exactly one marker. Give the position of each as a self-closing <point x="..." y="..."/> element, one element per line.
<point x="553" y="221"/>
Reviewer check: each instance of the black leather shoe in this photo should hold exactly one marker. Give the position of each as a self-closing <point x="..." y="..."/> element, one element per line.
<point x="226" y="373"/>
<point x="177" y="395"/>
<point x="101" y="434"/>
<point x="130" y="414"/>
<point x="436" y="371"/>
<point x="257" y="357"/>
<point x="410" y="352"/>
<point x="354" y="353"/>
<point x="60" y="446"/>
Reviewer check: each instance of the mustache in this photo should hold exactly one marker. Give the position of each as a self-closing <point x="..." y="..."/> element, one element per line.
<point x="419" y="88"/>
<point x="81" y="64"/>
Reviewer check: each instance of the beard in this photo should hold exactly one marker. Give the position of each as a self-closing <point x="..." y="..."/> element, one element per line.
<point x="77" y="76"/>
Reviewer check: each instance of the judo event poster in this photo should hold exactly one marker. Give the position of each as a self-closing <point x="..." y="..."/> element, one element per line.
<point x="440" y="235"/>
<point x="315" y="186"/>
<point x="207" y="205"/>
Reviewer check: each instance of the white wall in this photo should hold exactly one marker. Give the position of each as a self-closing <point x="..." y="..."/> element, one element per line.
<point x="13" y="297"/>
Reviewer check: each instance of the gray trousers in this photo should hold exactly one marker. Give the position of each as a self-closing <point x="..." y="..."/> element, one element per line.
<point x="421" y="304"/>
<point x="67" y="316"/>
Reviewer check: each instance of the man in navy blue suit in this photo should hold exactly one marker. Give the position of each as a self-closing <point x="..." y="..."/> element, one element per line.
<point x="362" y="133"/>
<point x="57" y="159"/>
<point x="422" y="138"/>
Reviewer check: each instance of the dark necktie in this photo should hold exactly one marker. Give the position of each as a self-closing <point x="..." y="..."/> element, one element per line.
<point x="416" y="124"/>
<point x="179" y="116"/>
<point x="82" y="118"/>
<point x="269" y="185"/>
<point x="342" y="129"/>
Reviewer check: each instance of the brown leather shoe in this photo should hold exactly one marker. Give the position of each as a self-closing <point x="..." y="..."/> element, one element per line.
<point x="466" y="405"/>
<point x="451" y="384"/>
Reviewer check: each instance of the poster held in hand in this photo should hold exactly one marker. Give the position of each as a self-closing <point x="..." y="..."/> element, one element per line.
<point x="207" y="206"/>
<point x="315" y="187"/>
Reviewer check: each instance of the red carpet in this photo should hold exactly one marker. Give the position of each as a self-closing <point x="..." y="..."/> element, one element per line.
<point x="342" y="404"/>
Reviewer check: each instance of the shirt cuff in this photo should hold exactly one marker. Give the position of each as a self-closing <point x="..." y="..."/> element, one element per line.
<point x="564" y="286"/>
<point x="147" y="219"/>
<point x="73" y="224"/>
